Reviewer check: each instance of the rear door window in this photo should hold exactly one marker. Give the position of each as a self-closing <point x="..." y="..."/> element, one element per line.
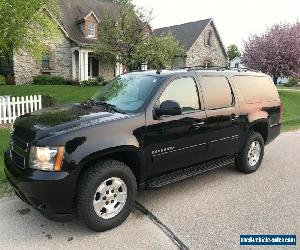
<point x="255" y="89"/>
<point x="217" y="92"/>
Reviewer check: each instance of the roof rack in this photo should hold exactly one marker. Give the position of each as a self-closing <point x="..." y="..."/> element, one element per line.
<point x="217" y="68"/>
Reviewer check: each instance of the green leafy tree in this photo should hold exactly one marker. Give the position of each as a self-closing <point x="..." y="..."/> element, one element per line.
<point x="27" y="24"/>
<point x="233" y="51"/>
<point x="159" y="51"/>
<point x="126" y="37"/>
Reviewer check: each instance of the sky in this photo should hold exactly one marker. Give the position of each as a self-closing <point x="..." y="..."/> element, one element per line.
<point x="235" y="20"/>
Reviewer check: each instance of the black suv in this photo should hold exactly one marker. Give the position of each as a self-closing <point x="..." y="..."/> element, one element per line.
<point x="141" y="130"/>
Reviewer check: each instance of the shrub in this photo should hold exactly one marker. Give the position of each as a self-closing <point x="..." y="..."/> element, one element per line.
<point x="71" y="82"/>
<point x="292" y="82"/>
<point x="50" y="80"/>
<point x="2" y="80"/>
<point x="91" y="83"/>
<point x="10" y="79"/>
<point x="100" y="79"/>
<point x="48" y="101"/>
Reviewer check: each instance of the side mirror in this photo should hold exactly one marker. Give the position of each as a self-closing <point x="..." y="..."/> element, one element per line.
<point x="168" y="107"/>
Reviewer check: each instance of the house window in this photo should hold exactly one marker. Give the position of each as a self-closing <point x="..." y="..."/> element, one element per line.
<point x="91" y="30"/>
<point x="208" y="38"/>
<point x="46" y="61"/>
<point x="237" y="65"/>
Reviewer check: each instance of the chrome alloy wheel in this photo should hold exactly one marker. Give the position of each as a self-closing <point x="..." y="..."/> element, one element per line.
<point x="254" y="153"/>
<point x="110" y="198"/>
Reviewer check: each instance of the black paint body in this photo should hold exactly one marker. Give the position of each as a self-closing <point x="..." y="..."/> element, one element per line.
<point x="149" y="146"/>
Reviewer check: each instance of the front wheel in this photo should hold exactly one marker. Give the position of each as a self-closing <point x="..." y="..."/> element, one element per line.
<point x="252" y="153"/>
<point x="106" y="195"/>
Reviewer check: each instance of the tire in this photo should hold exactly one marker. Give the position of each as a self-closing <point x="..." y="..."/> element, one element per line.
<point x="106" y="175"/>
<point x="250" y="165"/>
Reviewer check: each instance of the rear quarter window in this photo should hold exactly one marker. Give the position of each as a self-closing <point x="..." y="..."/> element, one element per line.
<point x="256" y="89"/>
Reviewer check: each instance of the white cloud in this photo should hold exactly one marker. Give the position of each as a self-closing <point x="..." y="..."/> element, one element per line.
<point x="235" y="20"/>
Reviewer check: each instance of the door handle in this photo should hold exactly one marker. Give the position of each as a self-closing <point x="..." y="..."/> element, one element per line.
<point x="234" y="117"/>
<point x="197" y="125"/>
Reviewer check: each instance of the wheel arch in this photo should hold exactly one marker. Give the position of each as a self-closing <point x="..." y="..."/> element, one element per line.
<point x="260" y="126"/>
<point x="129" y="155"/>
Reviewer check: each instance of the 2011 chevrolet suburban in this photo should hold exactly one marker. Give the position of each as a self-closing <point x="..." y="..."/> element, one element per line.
<point x="141" y="130"/>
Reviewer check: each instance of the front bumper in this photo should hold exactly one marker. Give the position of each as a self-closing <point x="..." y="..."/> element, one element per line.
<point x="51" y="193"/>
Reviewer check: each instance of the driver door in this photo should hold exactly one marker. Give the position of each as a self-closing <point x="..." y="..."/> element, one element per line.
<point x="178" y="141"/>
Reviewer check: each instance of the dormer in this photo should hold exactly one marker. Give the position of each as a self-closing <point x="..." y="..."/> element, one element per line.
<point x="89" y="25"/>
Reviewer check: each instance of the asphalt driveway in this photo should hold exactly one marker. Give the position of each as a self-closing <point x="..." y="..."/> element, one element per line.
<point x="204" y="212"/>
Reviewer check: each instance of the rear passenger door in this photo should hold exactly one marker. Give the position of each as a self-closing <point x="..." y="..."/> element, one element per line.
<point x="222" y="124"/>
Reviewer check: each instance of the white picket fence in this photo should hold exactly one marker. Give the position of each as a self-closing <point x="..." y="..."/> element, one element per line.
<point x="13" y="107"/>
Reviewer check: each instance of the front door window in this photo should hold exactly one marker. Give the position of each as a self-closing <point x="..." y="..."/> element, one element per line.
<point x="183" y="91"/>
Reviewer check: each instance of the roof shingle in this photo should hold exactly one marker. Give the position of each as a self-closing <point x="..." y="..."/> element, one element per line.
<point x="75" y="10"/>
<point x="186" y="33"/>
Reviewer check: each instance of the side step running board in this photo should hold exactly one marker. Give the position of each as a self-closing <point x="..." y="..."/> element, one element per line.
<point x="182" y="174"/>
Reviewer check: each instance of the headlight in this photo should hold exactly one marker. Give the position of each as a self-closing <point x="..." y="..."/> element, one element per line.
<point x="46" y="158"/>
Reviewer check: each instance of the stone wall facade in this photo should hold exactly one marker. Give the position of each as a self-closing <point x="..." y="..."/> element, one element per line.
<point x="200" y="53"/>
<point x="107" y="71"/>
<point x="26" y="67"/>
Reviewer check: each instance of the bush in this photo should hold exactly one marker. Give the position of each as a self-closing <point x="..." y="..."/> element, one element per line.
<point x="100" y="79"/>
<point x="48" y="101"/>
<point x="10" y="79"/>
<point x="51" y="80"/>
<point x="292" y="82"/>
<point x="2" y="80"/>
<point x="91" y="83"/>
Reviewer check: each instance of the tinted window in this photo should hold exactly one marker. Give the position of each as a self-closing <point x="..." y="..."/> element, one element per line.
<point x="256" y="88"/>
<point x="184" y="91"/>
<point x="217" y="92"/>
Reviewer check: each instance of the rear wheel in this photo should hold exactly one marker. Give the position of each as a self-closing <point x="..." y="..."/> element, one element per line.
<point x="251" y="155"/>
<point x="106" y="195"/>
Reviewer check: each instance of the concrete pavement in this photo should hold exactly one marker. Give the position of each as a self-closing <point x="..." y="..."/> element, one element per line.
<point x="204" y="212"/>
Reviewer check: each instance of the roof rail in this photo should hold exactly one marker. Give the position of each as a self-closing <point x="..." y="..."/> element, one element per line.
<point x="203" y="67"/>
<point x="218" y="68"/>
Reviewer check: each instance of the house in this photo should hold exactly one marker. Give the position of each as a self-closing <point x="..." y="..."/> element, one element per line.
<point x="71" y="55"/>
<point x="236" y="62"/>
<point x="202" y="42"/>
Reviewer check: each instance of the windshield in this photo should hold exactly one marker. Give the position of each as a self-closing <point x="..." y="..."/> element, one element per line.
<point x="128" y="93"/>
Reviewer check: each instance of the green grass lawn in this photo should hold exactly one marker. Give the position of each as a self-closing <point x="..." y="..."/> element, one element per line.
<point x="69" y="94"/>
<point x="291" y="110"/>
<point x="4" y="187"/>
<point x="63" y="93"/>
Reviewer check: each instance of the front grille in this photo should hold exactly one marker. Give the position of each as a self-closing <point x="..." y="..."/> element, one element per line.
<point x="19" y="160"/>
<point x="19" y="151"/>
<point x="19" y="143"/>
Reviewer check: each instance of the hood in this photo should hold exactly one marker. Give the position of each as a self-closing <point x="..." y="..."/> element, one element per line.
<point x="60" y="120"/>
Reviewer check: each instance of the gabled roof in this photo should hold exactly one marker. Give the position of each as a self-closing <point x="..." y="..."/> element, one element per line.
<point x="237" y="57"/>
<point x="188" y="33"/>
<point x="92" y="13"/>
<point x="75" y="10"/>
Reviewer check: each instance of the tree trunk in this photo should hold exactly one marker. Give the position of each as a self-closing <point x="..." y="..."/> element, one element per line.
<point x="275" y="79"/>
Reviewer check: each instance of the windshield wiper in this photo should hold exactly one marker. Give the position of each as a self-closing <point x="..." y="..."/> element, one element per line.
<point x="106" y="105"/>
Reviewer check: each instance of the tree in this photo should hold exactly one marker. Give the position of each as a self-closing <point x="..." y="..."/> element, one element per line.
<point x="125" y="37"/>
<point x="26" y="25"/>
<point x="276" y="52"/>
<point x="233" y="52"/>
